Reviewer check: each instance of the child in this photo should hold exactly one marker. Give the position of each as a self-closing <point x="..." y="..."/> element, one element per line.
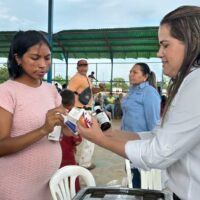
<point x="69" y="143"/>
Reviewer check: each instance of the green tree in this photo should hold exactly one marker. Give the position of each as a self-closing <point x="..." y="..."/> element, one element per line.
<point x="120" y="83"/>
<point x="3" y="73"/>
<point x="59" y="79"/>
<point x="164" y="83"/>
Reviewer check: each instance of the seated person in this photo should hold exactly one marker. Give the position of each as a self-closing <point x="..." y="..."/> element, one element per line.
<point x="110" y="104"/>
<point x="117" y="108"/>
<point x="98" y="100"/>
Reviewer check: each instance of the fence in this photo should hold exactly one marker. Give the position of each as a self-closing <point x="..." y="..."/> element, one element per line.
<point x="102" y="71"/>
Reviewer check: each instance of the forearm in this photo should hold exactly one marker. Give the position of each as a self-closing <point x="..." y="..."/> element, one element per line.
<point x="112" y="144"/>
<point x="122" y="135"/>
<point x="96" y="90"/>
<point x="10" y="145"/>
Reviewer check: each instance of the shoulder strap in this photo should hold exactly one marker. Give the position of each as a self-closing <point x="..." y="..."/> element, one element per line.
<point x="88" y="81"/>
<point x="75" y="92"/>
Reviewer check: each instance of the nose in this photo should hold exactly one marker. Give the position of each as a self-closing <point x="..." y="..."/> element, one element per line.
<point x="43" y="63"/>
<point x="159" y="53"/>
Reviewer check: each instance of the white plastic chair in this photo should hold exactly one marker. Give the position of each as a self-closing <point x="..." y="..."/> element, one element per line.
<point x="62" y="183"/>
<point x="129" y="173"/>
<point x="149" y="179"/>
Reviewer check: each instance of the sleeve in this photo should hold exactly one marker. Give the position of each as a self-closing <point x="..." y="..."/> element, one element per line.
<point x="7" y="99"/>
<point x="178" y="135"/>
<point x="145" y="135"/>
<point x="152" y="107"/>
<point x="55" y="94"/>
<point x="58" y="100"/>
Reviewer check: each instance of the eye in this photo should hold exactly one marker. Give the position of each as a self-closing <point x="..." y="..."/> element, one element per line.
<point x="48" y="58"/>
<point x="165" y="46"/>
<point x="35" y="57"/>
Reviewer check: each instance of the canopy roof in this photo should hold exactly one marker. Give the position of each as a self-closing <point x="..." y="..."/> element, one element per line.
<point x="139" y="42"/>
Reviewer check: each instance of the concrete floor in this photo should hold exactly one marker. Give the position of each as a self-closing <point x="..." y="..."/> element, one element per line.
<point x="109" y="166"/>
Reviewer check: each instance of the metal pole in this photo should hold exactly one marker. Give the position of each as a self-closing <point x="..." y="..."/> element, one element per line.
<point x="54" y="67"/>
<point x="67" y="67"/>
<point x="111" y="81"/>
<point x="50" y="36"/>
<point x="96" y="74"/>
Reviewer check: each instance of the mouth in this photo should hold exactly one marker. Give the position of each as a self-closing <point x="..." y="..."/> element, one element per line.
<point x="164" y="63"/>
<point x="41" y="74"/>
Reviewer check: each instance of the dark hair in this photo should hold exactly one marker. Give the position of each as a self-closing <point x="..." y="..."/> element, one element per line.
<point x="82" y="64"/>
<point x="22" y="41"/>
<point x="184" y="24"/>
<point x="64" y="85"/>
<point x="146" y="71"/>
<point x="68" y="97"/>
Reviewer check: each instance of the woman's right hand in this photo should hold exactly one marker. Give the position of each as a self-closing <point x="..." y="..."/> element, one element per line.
<point x="53" y="118"/>
<point x="93" y="133"/>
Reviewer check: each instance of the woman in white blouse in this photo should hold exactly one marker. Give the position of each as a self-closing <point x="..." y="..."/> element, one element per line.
<point x="175" y="144"/>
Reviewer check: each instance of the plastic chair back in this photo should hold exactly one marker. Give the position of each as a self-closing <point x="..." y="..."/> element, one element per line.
<point x="62" y="183"/>
<point x="129" y="174"/>
<point x="149" y="179"/>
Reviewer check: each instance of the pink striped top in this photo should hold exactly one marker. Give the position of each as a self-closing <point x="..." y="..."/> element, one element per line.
<point x="25" y="175"/>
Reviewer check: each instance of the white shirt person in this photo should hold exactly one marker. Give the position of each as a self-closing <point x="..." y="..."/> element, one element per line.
<point x="175" y="145"/>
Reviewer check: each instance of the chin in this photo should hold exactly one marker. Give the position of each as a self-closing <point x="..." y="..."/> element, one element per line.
<point x="165" y="72"/>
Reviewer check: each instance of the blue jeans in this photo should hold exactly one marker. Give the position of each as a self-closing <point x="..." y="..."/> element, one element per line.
<point x="110" y="108"/>
<point x="136" y="181"/>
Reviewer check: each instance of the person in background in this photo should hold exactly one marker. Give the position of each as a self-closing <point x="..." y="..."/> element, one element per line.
<point x="92" y="77"/>
<point x="141" y="106"/>
<point x="173" y="145"/>
<point x="29" y="111"/>
<point x="58" y="89"/>
<point x="117" y="108"/>
<point x="64" y="86"/>
<point x="77" y="84"/>
<point x="98" y="100"/>
<point x="110" y="104"/>
<point x="69" y="143"/>
<point x="159" y="90"/>
<point x="163" y="103"/>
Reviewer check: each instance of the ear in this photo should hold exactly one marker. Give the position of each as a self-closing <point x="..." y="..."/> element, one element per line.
<point x="18" y="59"/>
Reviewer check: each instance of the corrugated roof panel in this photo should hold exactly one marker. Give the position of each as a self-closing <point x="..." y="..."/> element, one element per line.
<point x="98" y="43"/>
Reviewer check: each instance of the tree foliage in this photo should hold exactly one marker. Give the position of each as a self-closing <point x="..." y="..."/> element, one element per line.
<point x="117" y="83"/>
<point x="120" y="83"/>
<point x="164" y="83"/>
<point x="3" y="74"/>
<point x="59" y="79"/>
